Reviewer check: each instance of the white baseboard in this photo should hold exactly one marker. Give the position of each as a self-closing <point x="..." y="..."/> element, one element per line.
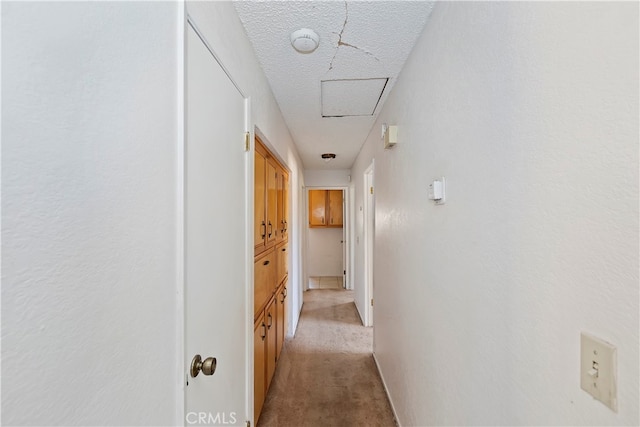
<point x="386" y="390"/>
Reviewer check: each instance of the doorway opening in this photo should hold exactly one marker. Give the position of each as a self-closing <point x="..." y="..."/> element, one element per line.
<point x="327" y="251"/>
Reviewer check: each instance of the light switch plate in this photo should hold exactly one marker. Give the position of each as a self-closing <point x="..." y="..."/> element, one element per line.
<point x="598" y="370"/>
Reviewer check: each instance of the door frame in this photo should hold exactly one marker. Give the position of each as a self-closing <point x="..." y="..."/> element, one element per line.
<point x="346" y="232"/>
<point x="369" y="237"/>
<point x="184" y="22"/>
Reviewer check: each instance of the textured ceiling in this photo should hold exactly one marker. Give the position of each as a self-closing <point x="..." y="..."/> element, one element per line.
<point x="366" y="42"/>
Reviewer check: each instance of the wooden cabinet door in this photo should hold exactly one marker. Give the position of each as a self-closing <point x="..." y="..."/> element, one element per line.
<point x="259" y="200"/>
<point x="259" y="368"/>
<point x="280" y="206"/>
<point x="281" y="319"/>
<point x="264" y="280"/>
<point x="272" y="199"/>
<point x="317" y="207"/>
<point x="285" y="205"/>
<point x="282" y="255"/>
<point x="270" y="317"/>
<point x="335" y="208"/>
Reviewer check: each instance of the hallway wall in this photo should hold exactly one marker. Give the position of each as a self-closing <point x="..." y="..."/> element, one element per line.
<point x="530" y="111"/>
<point x="89" y="131"/>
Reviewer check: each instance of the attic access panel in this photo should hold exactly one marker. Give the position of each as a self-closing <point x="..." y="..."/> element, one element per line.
<point x="351" y="97"/>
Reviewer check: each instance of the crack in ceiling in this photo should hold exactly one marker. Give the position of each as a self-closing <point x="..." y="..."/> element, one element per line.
<point x="341" y="43"/>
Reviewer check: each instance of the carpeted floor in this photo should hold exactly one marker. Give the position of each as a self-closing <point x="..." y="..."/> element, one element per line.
<point x="326" y="375"/>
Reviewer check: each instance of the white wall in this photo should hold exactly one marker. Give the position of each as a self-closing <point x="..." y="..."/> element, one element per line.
<point x="325" y="251"/>
<point x="327" y="177"/>
<point x="530" y="111"/>
<point x="89" y="130"/>
<point x="219" y="23"/>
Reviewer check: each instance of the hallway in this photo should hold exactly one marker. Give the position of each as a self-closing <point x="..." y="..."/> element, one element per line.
<point x="327" y="375"/>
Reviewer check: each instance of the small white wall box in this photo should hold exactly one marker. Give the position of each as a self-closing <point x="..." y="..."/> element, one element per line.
<point x="436" y="191"/>
<point x="390" y="136"/>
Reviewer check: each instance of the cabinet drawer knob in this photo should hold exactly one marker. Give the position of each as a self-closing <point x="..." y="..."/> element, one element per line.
<point x="266" y="262"/>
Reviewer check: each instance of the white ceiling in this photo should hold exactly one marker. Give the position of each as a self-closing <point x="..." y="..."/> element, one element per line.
<point x="362" y="44"/>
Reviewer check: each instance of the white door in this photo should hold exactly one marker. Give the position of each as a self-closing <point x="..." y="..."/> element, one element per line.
<point x="215" y="241"/>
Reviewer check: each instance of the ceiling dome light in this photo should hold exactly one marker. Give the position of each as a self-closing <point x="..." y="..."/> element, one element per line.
<point x="305" y="40"/>
<point x="328" y="156"/>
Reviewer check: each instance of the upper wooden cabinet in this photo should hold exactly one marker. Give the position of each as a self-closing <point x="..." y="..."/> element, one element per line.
<point x="271" y="215"/>
<point x="325" y="208"/>
<point x="260" y="201"/>
<point x="283" y="206"/>
<point x="335" y="208"/>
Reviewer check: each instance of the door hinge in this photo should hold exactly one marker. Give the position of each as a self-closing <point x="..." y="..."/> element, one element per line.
<point x="247" y="141"/>
<point x="371" y="190"/>
<point x="371" y="302"/>
<point x="344" y="272"/>
<point x="248" y="423"/>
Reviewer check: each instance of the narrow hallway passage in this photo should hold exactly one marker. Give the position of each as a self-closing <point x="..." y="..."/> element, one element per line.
<point x="326" y="375"/>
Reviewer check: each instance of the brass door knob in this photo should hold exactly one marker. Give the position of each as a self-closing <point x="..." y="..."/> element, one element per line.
<point x="208" y="366"/>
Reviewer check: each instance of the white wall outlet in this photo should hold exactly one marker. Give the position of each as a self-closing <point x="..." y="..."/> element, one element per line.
<point x="598" y="370"/>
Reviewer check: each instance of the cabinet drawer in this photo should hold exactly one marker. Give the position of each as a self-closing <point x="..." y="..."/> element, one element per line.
<point x="264" y="270"/>
<point x="282" y="257"/>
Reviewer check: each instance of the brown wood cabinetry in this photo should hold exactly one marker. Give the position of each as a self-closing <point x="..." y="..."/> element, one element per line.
<point x="272" y="329"/>
<point x="264" y="273"/>
<point x="271" y="216"/>
<point x="259" y="369"/>
<point x="282" y="256"/>
<point x="270" y="269"/>
<point x="281" y="301"/>
<point x="283" y="206"/>
<point x="325" y="208"/>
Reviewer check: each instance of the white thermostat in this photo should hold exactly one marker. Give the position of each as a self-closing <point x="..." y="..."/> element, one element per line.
<point x="436" y="191"/>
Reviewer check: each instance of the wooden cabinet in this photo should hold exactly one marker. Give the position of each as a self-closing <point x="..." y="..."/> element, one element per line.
<point x="317" y="208"/>
<point x="271" y="269"/>
<point x="335" y="208"/>
<point x="271" y="314"/>
<point x="282" y="257"/>
<point x="325" y="208"/>
<point x="272" y="205"/>
<point x="259" y="369"/>
<point x="260" y="201"/>
<point x="283" y="205"/>
<point x="264" y="278"/>
<point x="271" y="216"/>
<point x="282" y="320"/>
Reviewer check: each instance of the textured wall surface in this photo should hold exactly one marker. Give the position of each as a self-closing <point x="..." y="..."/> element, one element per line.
<point x="530" y="111"/>
<point x="88" y="213"/>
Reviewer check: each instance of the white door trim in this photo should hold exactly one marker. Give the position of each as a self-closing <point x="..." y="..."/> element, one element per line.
<point x="181" y="138"/>
<point x="369" y="235"/>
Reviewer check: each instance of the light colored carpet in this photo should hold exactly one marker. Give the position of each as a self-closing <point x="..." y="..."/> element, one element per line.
<point x="326" y="375"/>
